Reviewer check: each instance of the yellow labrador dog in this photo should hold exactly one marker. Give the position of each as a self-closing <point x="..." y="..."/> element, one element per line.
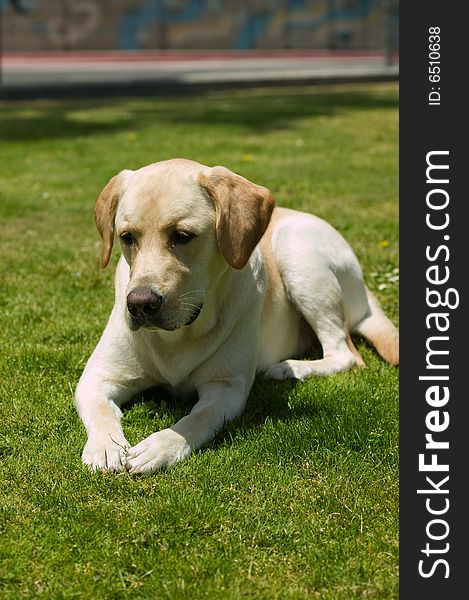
<point x="214" y="284"/>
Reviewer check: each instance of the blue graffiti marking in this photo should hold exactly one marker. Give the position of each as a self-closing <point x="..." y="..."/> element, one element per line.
<point x="253" y="29"/>
<point x="153" y="11"/>
<point x="21" y="6"/>
<point x="361" y="9"/>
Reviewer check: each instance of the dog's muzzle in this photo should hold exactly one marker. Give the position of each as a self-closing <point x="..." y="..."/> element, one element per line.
<point x="144" y="306"/>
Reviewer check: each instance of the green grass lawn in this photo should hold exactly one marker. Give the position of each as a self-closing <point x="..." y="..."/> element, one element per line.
<point x="299" y="497"/>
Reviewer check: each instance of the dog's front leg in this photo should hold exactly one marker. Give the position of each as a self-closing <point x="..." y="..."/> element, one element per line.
<point x="219" y="402"/>
<point x="98" y="400"/>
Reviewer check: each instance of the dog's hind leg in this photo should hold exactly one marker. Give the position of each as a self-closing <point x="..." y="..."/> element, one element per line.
<point x="317" y="268"/>
<point x="339" y="353"/>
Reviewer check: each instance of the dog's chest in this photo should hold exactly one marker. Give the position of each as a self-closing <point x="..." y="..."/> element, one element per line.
<point x="173" y="360"/>
<point x="168" y="364"/>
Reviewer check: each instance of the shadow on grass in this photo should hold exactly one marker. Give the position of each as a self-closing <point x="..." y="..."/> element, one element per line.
<point x="356" y="426"/>
<point x="259" y="111"/>
<point x="269" y="400"/>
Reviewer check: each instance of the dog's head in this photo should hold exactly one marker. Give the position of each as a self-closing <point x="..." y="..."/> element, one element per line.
<point x="180" y="225"/>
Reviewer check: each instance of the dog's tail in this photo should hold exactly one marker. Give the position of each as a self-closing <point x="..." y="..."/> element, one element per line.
<point x="379" y="331"/>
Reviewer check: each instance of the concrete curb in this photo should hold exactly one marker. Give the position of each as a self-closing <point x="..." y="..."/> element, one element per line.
<point x="66" y="79"/>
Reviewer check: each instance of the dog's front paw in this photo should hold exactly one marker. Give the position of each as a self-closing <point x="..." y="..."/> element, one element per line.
<point x="105" y="452"/>
<point x="158" y="450"/>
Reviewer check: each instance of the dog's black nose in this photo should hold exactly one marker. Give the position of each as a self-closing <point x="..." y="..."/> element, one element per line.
<point x="143" y="302"/>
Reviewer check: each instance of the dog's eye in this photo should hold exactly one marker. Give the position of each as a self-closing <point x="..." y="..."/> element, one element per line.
<point x="179" y="237"/>
<point x="127" y="239"/>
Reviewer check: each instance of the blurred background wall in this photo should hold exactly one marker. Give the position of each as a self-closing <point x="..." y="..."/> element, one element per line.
<point x="67" y="25"/>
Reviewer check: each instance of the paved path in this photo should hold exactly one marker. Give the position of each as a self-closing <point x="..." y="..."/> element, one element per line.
<point x="111" y="73"/>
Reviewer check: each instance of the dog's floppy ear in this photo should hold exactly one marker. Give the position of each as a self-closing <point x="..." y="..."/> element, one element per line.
<point x="105" y="213"/>
<point x="243" y="210"/>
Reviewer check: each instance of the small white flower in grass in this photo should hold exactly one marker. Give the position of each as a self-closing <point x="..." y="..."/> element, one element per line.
<point x="386" y="279"/>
